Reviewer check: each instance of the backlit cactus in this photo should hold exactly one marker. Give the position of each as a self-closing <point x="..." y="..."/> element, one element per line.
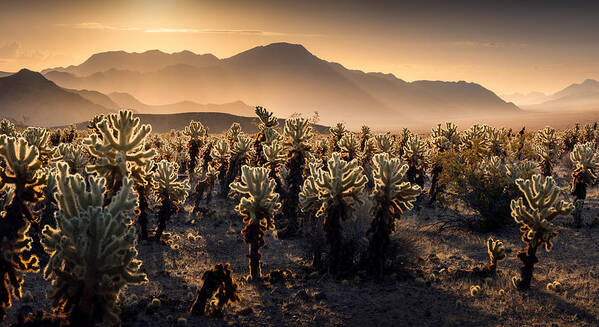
<point x="92" y="250"/>
<point x="536" y="215"/>
<point x="446" y="138"/>
<point x="349" y="146"/>
<point x="339" y="189"/>
<point x="298" y="134"/>
<point x="205" y="186"/>
<point x="476" y="141"/>
<point x="121" y="144"/>
<point x="143" y="178"/>
<point x="335" y="135"/>
<point x="385" y="143"/>
<point x="241" y="153"/>
<point x="233" y="133"/>
<point x="74" y="155"/>
<point x="416" y="155"/>
<point x="547" y="148"/>
<point x="40" y="138"/>
<point x="221" y="153"/>
<point x="391" y="196"/>
<point x="258" y="209"/>
<point x="586" y="167"/>
<point x="266" y="134"/>
<point x="7" y="128"/>
<point x="25" y="178"/>
<point x="197" y="134"/>
<point x="169" y="192"/>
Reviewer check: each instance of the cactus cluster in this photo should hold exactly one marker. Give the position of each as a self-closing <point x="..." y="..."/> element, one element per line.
<point x="547" y="148"/>
<point x="92" y="249"/>
<point x="169" y="192"/>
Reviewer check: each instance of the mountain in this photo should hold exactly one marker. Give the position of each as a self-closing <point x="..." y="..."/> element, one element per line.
<point x="126" y="100"/>
<point x="4" y="74"/>
<point x="577" y="96"/>
<point x="285" y="78"/>
<point x="148" y="61"/>
<point x="29" y="98"/>
<point x="216" y="122"/>
<point x="97" y="98"/>
<point x="521" y="99"/>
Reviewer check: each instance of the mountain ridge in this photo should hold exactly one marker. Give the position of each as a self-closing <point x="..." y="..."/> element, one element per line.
<point x="287" y="78"/>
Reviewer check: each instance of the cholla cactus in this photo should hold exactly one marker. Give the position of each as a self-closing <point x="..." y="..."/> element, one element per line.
<point x="216" y="281"/>
<point x="267" y="123"/>
<point x="385" y="143"/>
<point x="271" y="135"/>
<point x="143" y="185"/>
<point x="339" y="188"/>
<point x="415" y="154"/>
<point x="349" y="146"/>
<point x="476" y="141"/>
<point x="298" y="133"/>
<point x="197" y="134"/>
<point x="365" y="136"/>
<point x="92" y="250"/>
<point x="542" y="206"/>
<point x="445" y="138"/>
<point x="275" y="156"/>
<point x="589" y="134"/>
<point x="205" y="186"/>
<point x="121" y="145"/>
<point x="258" y="210"/>
<point x="547" y="148"/>
<point x="169" y="192"/>
<point x="586" y="167"/>
<point x="92" y="124"/>
<point x="233" y="133"/>
<point x="7" y="128"/>
<point x="74" y="155"/>
<point x="335" y="135"/>
<point x="40" y="138"/>
<point x="391" y="196"/>
<point x="523" y="169"/>
<point x="221" y="153"/>
<point x="241" y="152"/>
<point x="26" y="180"/>
<point x="497" y="141"/>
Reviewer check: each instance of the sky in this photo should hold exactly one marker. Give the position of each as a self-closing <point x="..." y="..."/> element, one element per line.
<point x="507" y="46"/>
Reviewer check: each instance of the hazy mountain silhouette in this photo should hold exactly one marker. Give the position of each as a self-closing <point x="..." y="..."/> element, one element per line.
<point x="126" y="100"/>
<point x="285" y="78"/>
<point x="577" y="96"/>
<point x="29" y="98"/>
<point x="148" y="61"/>
<point x="523" y="99"/>
<point x="4" y="74"/>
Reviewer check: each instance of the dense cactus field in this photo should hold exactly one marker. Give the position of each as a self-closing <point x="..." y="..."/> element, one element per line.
<point x="117" y="226"/>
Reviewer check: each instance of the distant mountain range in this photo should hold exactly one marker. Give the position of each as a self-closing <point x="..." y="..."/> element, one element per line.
<point x="285" y="78"/>
<point x="577" y="96"/>
<point x="28" y="98"/>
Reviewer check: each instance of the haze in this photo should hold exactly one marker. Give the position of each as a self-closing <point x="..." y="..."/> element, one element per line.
<point x="507" y="46"/>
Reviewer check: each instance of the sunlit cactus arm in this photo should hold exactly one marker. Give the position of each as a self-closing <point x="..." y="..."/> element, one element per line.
<point x="385" y="143"/>
<point x="349" y="145"/>
<point x="233" y="133"/>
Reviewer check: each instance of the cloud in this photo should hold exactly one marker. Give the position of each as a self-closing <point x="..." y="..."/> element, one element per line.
<point x="483" y="44"/>
<point x="100" y="26"/>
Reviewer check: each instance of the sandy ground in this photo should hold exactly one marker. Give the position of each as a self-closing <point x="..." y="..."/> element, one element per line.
<point x="424" y="291"/>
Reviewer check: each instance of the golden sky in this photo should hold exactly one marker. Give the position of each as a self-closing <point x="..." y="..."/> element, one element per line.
<point x="505" y="46"/>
